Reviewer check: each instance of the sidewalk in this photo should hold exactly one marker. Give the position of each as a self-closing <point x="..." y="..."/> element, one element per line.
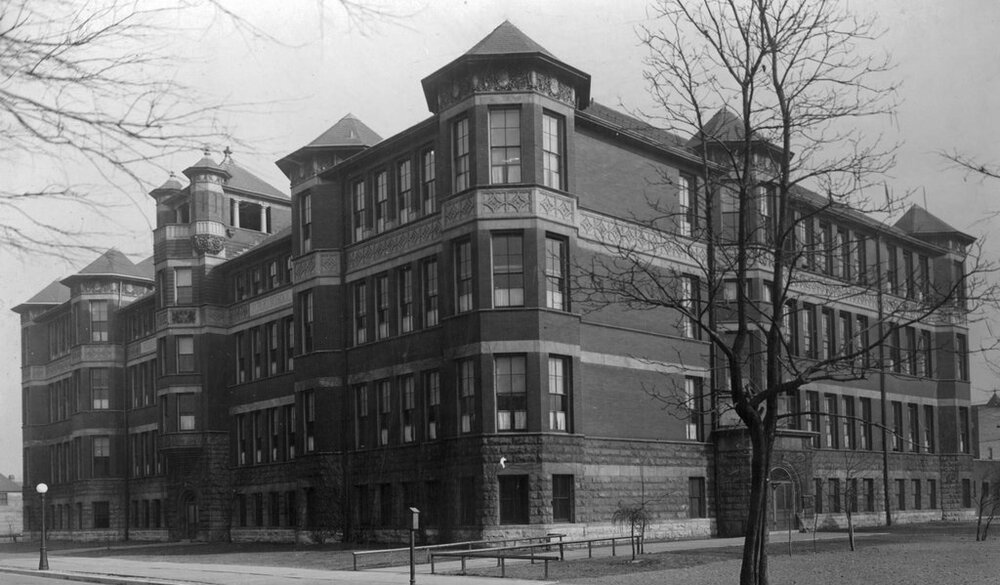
<point x="129" y="572"/>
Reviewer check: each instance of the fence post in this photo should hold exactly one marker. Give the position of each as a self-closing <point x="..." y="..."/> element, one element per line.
<point x="613" y="542"/>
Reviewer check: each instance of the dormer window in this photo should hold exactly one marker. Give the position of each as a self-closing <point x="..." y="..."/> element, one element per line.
<point x="505" y="146"/>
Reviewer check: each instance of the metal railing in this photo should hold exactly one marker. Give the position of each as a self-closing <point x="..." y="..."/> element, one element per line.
<point x="468" y="545"/>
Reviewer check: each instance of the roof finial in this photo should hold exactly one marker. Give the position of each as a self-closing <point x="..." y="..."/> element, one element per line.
<point x="227" y="153"/>
<point x="206" y="150"/>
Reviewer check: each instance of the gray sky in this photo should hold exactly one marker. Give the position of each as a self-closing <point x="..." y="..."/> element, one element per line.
<point x="945" y="53"/>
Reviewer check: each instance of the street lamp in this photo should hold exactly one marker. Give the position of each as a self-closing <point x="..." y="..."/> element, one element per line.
<point x="43" y="555"/>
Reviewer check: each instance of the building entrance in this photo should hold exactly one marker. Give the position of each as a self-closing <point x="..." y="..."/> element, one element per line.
<point x="190" y="516"/>
<point x="782" y="500"/>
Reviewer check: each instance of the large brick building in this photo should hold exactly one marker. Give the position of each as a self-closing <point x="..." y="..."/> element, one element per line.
<point x="404" y="331"/>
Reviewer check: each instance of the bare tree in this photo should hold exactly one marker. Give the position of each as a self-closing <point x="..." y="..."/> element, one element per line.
<point x="769" y="91"/>
<point x="96" y="83"/>
<point x="987" y="505"/>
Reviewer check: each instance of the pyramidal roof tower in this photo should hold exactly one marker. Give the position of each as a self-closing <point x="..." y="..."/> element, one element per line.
<point x="506" y="60"/>
<point x="344" y="139"/>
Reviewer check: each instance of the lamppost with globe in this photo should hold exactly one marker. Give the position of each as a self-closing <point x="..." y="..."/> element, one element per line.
<point x="43" y="555"/>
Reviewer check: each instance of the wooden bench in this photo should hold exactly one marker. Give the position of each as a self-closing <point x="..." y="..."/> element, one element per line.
<point x="500" y="555"/>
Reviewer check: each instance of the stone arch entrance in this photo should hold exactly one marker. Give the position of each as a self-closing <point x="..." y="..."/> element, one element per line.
<point x="189" y="516"/>
<point x="784" y="498"/>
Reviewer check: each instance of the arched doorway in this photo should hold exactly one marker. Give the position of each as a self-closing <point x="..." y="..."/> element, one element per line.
<point x="783" y="494"/>
<point x="189" y="516"/>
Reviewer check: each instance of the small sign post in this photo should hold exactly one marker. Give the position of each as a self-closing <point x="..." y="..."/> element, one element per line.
<point x="414" y="526"/>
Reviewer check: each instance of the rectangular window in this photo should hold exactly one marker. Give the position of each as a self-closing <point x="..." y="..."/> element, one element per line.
<point x="813" y="417"/>
<point x="289" y="344"/>
<point x="505" y="146"/>
<point x="895" y="342"/>
<point x="185" y="352"/>
<point x="809" y="329"/>
<point x="385" y="504"/>
<point x="897" y="426"/>
<point x="559" y="393"/>
<point x="932" y="494"/>
<point x="892" y="272"/>
<point x="359" y="216"/>
<point x="512" y="396"/>
<point x="963" y="429"/>
<point x="463" y="276"/>
<point x="271" y="339"/>
<point x="687" y="212"/>
<point x="408" y="398"/>
<point x="100" y="388"/>
<point x="182" y="286"/>
<point x="513" y="499"/>
<point x="306" y="310"/>
<point x="272" y="275"/>
<point x="305" y="224"/>
<point x="290" y="438"/>
<point x="909" y="353"/>
<point x="913" y="437"/>
<point x="917" y="496"/>
<point x="929" y="428"/>
<point x="962" y="356"/>
<point x="102" y="514"/>
<point x="467" y="396"/>
<point x="383" y="210"/>
<point x="186" y="415"/>
<point x="828" y="343"/>
<point x="831" y="439"/>
<point x="691" y="304"/>
<point x="382" y="306"/>
<point x="901" y="494"/>
<point x="848" y="423"/>
<point x="98" y="320"/>
<point x="562" y="498"/>
<point x="102" y="456"/>
<point x="861" y="259"/>
<point x="694" y="398"/>
<point x="861" y="341"/>
<point x="360" y="313"/>
<point x="460" y="154"/>
<point x="834" y="495"/>
<point x="430" y="292"/>
<point x="404" y="188"/>
<point x="696" y="498"/>
<point x="432" y="400"/>
<point x="508" y="270"/>
<point x="852" y="495"/>
<point x="361" y="406"/>
<point x="552" y="150"/>
<point x="818" y="494"/>
<point x="428" y="196"/>
<point x="909" y="286"/>
<point x="869" y="494"/>
<point x="556" y="267"/>
<point x="383" y="391"/>
<point x="405" y="299"/>
<point x="309" y="419"/>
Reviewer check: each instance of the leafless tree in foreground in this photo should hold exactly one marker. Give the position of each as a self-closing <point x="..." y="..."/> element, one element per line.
<point x="793" y="82"/>
<point x="96" y="83"/>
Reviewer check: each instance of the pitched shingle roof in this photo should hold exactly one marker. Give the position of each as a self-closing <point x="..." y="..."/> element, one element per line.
<point x="8" y="485"/>
<point x="112" y="263"/>
<point x="243" y="180"/>
<point x="348" y="131"/>
<point x="635" y="125"/>
<point x="918" y="221"/>
<point x="56" y="293"/>
<point x="507" y="39"/>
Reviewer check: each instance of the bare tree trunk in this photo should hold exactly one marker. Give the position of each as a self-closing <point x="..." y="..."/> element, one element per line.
<point x="754" y="569"/>
<point x="850" y="527"/>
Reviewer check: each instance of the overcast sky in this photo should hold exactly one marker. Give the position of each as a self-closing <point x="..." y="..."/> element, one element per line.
<point x="945" y="52"/>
